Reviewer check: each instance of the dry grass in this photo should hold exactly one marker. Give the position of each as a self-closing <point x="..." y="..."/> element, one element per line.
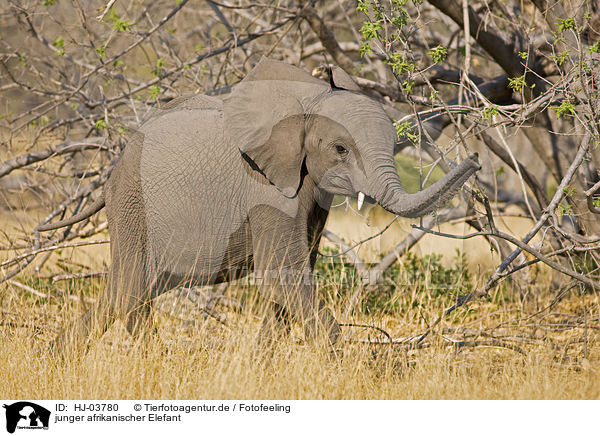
<point x="204" y="360"/>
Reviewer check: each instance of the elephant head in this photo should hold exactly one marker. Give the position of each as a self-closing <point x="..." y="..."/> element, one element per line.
<point x="283" y="119"/>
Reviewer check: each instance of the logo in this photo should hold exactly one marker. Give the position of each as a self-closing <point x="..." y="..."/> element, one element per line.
<point x="26" y="415"/>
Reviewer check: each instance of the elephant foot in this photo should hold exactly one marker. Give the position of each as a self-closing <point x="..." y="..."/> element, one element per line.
<point x="276" y="327"/>
<point x="322" y="328"/>
<point x="73" y="342"/>
<point x="70" y="344"/>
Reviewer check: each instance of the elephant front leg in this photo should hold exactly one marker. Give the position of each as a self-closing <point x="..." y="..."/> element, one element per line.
<point x="293" y="296"/>
<point x="283" y="270"/>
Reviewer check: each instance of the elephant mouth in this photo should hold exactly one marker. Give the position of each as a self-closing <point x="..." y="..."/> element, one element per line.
<point x="361" y="199"/>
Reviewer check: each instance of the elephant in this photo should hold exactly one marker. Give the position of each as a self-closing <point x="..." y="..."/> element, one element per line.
<point x="209" y="189"/>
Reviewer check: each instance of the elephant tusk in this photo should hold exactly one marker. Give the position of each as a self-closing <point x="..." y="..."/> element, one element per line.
<point x="361" y="199"/>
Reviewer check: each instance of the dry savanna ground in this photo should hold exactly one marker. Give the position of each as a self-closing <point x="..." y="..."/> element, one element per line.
<point x="514" y="355"/>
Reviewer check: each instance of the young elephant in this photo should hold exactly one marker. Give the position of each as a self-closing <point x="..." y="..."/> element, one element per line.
<point x="209" y="189"/>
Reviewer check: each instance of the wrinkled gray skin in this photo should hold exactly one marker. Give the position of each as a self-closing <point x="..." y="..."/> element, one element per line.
<point x="208" y="189"/>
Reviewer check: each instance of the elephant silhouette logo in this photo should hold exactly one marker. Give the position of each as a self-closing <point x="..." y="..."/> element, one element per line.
<point x="24" y="414"/>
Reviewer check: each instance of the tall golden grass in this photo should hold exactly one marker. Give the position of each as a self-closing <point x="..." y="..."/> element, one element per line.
<point x="197" y="358"/>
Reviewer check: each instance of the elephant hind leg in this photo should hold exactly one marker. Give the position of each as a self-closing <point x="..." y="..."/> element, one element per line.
<point x="75" y="338"/>
<point x="131" y="295"/>
<point x="126" y="297"/>
<point x="140" y="324"/>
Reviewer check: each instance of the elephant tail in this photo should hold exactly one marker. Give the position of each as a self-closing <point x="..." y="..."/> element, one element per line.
<point x="86" y="213"/>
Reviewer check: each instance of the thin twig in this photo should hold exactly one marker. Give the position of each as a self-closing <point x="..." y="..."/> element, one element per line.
<point x="42" y="295"/>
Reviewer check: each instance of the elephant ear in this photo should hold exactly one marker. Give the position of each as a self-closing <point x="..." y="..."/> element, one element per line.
<point x="341" y="79"/>
<point x="264" y="116"/>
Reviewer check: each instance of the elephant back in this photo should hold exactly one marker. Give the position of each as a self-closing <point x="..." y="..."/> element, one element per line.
<point x="194" y="102"/>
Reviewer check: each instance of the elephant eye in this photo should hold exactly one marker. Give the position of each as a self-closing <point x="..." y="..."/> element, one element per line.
<point x="341" y="150"/>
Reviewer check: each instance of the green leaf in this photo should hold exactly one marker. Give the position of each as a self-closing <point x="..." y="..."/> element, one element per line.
<point x="517" y="83"/>
<point x="489" y="112"/>
<point x="101" y="51"/>
<point x="569" y="191"/>
<point x="370" y="29"/>
<point x="564" y="209"/>
<point x="405" y="130"/>
<point x="118" y="23"/>
<point x="407" y="86"/>
<point x="122" y="25"/>
<point x="566" y="24"/>
<point x="101" y="124"/>
<point x="401" y="19"/>
<point x="399" y="65"/>
<point x="557" y="38"/>
<point x="438" y="54"/>
<point x="363" y="7"/>
<point x="561" y="57"/>
<point x="154" y="92"/>
<point x="157" y="70"/>
<point x="365" y="48"/>
<point x="565" y="108"/>
<point x="59" y="42"/>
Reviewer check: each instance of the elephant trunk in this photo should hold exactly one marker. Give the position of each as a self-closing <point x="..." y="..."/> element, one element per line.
<point x="391" y="195"/>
